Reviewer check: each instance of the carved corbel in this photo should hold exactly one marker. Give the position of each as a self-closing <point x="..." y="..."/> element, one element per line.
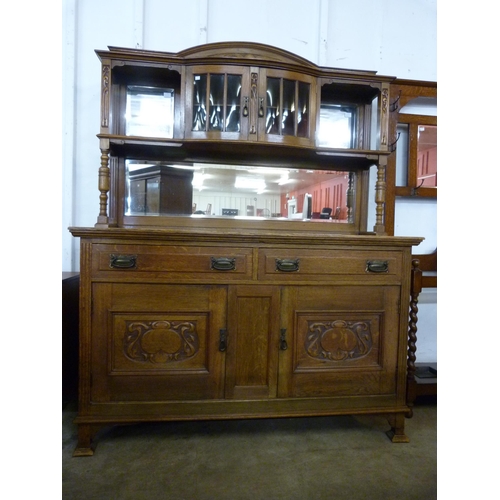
<point x="105" y="88"/>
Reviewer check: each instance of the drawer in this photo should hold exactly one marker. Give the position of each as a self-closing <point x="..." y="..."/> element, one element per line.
<point x="309" y="264"/>
<point x="171" y="262"/>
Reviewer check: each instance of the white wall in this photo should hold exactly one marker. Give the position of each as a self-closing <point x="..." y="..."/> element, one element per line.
<point x="393" y="37"/>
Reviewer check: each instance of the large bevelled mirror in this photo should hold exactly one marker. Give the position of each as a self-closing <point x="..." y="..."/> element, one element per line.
<point x="217" y="190"/>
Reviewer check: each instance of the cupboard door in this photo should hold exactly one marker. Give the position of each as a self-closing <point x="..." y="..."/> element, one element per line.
<point x="157" y="342"/>
<point x="253" y="342"/>
<point x="217" y="102"/>
<point x="344" y="341"/>
<point x="286" y="107"/>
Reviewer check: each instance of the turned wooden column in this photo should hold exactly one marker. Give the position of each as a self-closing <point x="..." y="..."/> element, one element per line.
<point x="416" y="288"/>
<point x="104" y="183"/>
<point x="104" y="172"/>
<point x="380" y="189"/>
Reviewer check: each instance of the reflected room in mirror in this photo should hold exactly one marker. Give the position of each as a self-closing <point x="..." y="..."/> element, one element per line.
<point x="155" y="188"/>
<point x="149" y="112"/>
<point x="427" y="156"/>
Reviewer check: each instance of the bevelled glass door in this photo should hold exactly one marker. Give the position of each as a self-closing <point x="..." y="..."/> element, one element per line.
<point x="287" y="108"/>
<point x="253" y="104"/>
<point x="216" y="103"/>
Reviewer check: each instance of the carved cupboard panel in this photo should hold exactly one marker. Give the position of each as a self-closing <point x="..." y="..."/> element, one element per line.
<point x="345" y="341"/>
<point x="160" y="342"/>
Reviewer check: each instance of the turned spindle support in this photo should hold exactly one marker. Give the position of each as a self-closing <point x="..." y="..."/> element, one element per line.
<point x="380" y="191"/>
<point x="104" y="183"/>
<point x="416" y="288"/>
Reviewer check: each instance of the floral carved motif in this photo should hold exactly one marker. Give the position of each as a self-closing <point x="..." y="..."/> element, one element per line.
<point x="160" y="341"/>
<point x="385" y="104"/>
<point x="338" y="340"/>
<point x="105" y="96"/>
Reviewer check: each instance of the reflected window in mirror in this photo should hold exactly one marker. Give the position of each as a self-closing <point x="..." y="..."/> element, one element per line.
<point x="349" y="118"/>
<point x="427" y="155"/>
<point x="149" y="112"/>
<point x="337" y="126"/>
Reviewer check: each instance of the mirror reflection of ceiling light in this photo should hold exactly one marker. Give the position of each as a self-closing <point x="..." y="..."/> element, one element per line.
<point x="185" y="167"/>
<point x="266" y="170"/>
<point x="250" y="183"/>
<point x="198" y="180"/>
<point x="335" y="128"/>
<point x="284" y="179"/>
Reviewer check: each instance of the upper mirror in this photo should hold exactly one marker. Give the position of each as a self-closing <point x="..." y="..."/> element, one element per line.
<point x="349" y="117"/>
<point x="149" y="112"/>
<point x="154" y="188"/>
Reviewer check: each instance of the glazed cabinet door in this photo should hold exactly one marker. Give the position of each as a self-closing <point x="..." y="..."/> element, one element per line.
<point x="286" y="108"/>
<point x="250" y="104"/>
<point x="156" y="342"/>
<point x="344" y="341"/>
<point x="217" y="102"/>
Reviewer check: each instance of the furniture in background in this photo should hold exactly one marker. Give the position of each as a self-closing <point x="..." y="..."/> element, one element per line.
<point x="70" y="314"/>
<point x="159" y="190"/>
<point x="325" y="213"/>
<point x="426" y="373"/>
<point x="415" y="134"/>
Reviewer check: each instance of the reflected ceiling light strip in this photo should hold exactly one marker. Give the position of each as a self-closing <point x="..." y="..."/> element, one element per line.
<point x="252" y="183"/>
<point x="266" y="170"/>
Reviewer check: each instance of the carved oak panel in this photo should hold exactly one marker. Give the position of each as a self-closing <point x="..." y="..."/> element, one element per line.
<point x="338" y="340"/>
<point x="328" y="341"/>
<point x="159" y="342"/>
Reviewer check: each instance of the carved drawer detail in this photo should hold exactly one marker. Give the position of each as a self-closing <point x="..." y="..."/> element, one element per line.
<point x="338" y="340"/>
<point x="160" y="342"/>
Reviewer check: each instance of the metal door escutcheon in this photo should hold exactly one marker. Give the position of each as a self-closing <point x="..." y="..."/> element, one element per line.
<point x="222" y="339"/>
<point x="283" y="344"/>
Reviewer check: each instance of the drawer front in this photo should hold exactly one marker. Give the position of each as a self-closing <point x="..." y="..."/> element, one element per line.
<point x="171" y="262"/>
<point x="354" y="265"/>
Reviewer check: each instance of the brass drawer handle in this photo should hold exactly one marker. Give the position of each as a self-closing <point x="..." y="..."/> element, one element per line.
<point x="377" y="266"/>
<point x="287" y="265"/>
<point x="223" y="264"/>
<point x="122" y="261"/>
